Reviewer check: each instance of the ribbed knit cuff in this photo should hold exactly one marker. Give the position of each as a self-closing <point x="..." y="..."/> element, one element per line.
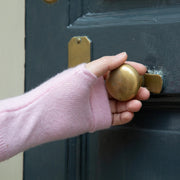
<point x="3" y="149"/>
<point x="100" y="106"/>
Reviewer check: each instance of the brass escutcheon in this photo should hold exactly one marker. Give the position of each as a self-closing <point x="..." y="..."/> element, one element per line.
<point x="50" y="1"/>
<point x="124" y="82"/>
<point x="79" y="50"/>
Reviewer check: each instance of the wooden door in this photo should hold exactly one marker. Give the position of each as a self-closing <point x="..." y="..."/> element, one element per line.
<point x="149" y="31"/>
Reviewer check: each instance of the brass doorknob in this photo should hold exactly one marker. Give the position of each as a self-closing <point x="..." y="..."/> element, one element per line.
<point x="124" y="82"/>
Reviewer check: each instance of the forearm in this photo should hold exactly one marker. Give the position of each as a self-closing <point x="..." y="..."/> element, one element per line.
<point x="69" y="104"/>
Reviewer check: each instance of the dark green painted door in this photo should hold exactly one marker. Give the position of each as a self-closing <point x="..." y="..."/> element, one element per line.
<point x="149" y="31"/>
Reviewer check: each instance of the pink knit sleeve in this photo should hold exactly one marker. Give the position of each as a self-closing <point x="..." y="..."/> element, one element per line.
<point x="71" y="103"/>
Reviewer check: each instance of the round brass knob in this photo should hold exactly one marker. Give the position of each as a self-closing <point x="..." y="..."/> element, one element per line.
<point x="124" y="82"/>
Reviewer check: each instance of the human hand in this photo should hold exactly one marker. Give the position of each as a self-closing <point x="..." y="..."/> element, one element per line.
<point x="122" y="112"/>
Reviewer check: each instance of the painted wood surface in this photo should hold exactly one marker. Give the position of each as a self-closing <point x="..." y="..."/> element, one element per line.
<point x="148" y="147"/>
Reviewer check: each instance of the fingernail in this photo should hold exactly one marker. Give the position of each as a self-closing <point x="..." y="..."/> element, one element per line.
<point x="123" y="54"/>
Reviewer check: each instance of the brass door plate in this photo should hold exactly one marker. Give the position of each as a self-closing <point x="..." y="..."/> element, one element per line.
<point x="50" y="1"/>
<point x="79" y="50"/>
<point x="153" y="82"/>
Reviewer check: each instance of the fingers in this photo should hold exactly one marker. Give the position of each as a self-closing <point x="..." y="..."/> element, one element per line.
<point x="143" y="94"/>
<point x="139" y="67"/>
<point x="123" y="112"/>
<point x="131" y="106"/>
<point x="101" y="66"/>
<point x="122" y="118"/>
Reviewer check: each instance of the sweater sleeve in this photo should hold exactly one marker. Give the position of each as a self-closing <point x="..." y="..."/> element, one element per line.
<point x="71" y="103"/>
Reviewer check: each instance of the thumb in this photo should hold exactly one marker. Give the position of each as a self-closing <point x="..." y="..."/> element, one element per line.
<point x="101" y="66"/>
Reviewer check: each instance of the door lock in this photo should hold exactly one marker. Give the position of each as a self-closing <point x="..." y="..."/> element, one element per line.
<point x="124" y="82"/>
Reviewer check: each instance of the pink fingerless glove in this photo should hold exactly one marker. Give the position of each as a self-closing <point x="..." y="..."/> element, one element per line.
<point x="71" y="103"/>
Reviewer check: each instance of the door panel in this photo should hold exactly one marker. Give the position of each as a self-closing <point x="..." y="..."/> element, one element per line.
<point x="146" y="148"/>
<point x="150" y="36"/>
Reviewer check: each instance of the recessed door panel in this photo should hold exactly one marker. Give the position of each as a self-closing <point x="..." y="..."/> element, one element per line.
<point x="116" y="5"/>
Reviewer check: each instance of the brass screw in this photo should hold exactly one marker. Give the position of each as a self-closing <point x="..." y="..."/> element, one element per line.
<point x="78" y="40"/>
<point x="50" y="1"/>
